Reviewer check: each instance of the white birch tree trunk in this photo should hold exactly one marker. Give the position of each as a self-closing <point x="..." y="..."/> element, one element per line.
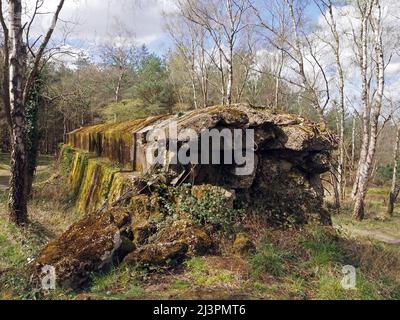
<point x="17" y="197"/>
<point x="365" y="172"/>
<point x="394" y="190"/>
<point x="229" y="59"/>
<point x="366" y="13"/>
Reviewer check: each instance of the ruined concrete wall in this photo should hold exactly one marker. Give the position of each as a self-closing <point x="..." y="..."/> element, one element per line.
<point x="112" y="141"/>
<point x="290" y="155"/>
<point x="93" y="181"/>
<point x="284" y="189"/>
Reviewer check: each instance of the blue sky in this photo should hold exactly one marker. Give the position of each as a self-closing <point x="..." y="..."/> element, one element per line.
<point x="94" y="22"/>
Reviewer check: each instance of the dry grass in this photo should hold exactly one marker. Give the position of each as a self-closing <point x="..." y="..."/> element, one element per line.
<point x="18" y="246"/>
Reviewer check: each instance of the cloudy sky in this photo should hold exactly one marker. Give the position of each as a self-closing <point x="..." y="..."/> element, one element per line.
<point x="92" y="22"/>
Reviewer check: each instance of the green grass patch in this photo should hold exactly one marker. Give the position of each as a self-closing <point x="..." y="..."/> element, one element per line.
<point x="43" y="160"/>
<point x="122" y="282"/>
<point x="3" y="197"/>
<point x="11" y="250"/>
<point x="382" y="191"/>
<point x="42" y="176"/>
<point x="180" y="285"/>
<point x="261" y="287"/>
<point x="323" y="247"/>
<point x="205" y="274"/>
<point x="296" y="285"/>
<point x="388" y="226"/>
<point x="330" y="287"/>
<point x="269" y="259"/>
<point x="16" y="247"/>
<point x="5" y="159"/>
<point x="390" y="285"/>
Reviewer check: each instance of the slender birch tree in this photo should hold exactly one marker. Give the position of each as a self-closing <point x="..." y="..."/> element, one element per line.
<point x="371" y="14"/>
<point x="326" y="9"/>
<point x="395" y="188"/>
<point x="224" y="21"/>
<point x="185" y="35"/>
<point x="16" y="87"/>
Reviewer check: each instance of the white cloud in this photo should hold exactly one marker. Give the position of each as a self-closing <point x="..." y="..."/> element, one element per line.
<point x="68" y="55"/>
<point x="94" y="22"/>
<point x="348" y="19"/>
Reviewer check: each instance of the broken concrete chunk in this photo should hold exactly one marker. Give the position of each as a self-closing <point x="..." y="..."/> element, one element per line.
<point x="86" y="247"/>
<point x="126" y="247"/>
<point x="119" y="142"/>
<point x="287" y="195"/>
<point x="144" y="207"/>
<point x="158" y="254"/>
<point x="143" y="230"/>
<point x="242" y="244"/>
<point x="189" y="233"/>
<point x="317" y="163"/>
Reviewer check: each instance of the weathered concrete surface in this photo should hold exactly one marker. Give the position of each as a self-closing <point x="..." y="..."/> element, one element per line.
<point x="105" y="238"/>
<point x="291" y="153"/>
<point x="284" y="189"/>
<point x="125" y="142"/>
<point x="91" y="245"/>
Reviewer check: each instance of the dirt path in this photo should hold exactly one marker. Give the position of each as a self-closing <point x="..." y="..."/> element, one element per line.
<point x="373" y="235"/>
<point x="5" y="175"/>
<point x="4" y="178"/>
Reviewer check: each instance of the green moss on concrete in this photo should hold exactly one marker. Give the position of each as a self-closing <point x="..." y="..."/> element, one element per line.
<point x="77" y="171"/>
<point x="96" y="185"/>
<point x="112" y="141"/>
<point x="66" y="158"/>
<point x="118" y="186"/>
<point x="93" y="181"/>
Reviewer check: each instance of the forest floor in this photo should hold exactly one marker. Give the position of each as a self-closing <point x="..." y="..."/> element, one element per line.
<point x="43" y="169"/>
<point x="4" y="171"/>
<point x="376" y="226"/>
<point x="291" y="264"/>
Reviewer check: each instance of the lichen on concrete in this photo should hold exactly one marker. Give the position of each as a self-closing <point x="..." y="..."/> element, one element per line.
<point x="127" y="216"/>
